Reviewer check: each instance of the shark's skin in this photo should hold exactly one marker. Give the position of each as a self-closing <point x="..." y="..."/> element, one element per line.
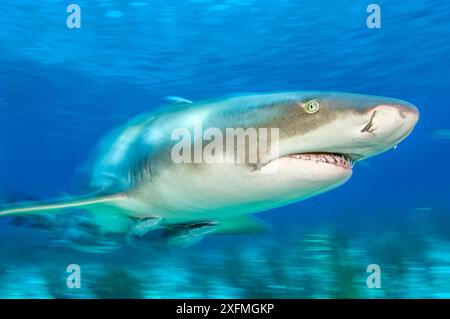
<point x="134" y="170"/>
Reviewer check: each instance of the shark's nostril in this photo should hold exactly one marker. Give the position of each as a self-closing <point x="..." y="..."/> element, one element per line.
<point x="369" y="126"/>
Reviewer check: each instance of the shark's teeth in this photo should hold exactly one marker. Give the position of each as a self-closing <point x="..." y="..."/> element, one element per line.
<point x="337" y="160"/>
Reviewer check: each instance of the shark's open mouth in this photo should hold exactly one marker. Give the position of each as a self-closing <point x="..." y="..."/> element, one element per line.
<point x="342" y="160"/>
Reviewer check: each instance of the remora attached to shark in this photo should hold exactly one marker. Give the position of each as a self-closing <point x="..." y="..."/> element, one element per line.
<point x="321" y="135"/>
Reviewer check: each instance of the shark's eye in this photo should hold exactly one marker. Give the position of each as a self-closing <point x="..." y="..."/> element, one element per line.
<point x="312" y="106"/>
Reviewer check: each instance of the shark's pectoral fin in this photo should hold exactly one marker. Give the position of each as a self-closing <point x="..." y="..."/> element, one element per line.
<point x="242" y="225"/>
<point x="142" y="226"/>
<point x="185" y="235"/>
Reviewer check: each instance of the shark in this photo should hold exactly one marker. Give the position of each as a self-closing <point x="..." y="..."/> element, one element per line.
<point x="135" y="186"/>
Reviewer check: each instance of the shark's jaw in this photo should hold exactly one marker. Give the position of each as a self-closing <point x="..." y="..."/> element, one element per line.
<point x="315" y="172"/>
<point x="344" y="161"/>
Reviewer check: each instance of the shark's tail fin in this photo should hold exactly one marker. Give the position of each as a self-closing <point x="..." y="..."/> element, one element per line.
<point x="60" y="205"/>
<point x="106" y="211"/>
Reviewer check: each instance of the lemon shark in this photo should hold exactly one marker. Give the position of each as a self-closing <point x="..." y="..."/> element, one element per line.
<point x="135" y="185"/>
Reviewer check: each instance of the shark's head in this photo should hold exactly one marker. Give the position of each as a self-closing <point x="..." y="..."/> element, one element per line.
<point x="322" y="135"/>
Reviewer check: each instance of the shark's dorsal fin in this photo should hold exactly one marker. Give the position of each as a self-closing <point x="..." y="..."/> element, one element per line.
<point x="177" y="100"/>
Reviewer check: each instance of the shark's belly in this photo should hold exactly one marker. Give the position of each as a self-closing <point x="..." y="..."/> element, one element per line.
<point x="209" y="192"/>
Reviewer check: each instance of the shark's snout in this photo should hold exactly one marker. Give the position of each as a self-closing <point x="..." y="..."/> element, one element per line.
<point x="408" y="110"/>
<point x="384" y="126"/>
<point x="391" y="122"/>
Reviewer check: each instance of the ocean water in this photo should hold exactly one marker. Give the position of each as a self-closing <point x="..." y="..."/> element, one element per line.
<point x="62" y="89"/>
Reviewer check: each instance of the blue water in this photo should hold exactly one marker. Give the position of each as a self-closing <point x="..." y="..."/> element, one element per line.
<point x="61" y="89"/>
